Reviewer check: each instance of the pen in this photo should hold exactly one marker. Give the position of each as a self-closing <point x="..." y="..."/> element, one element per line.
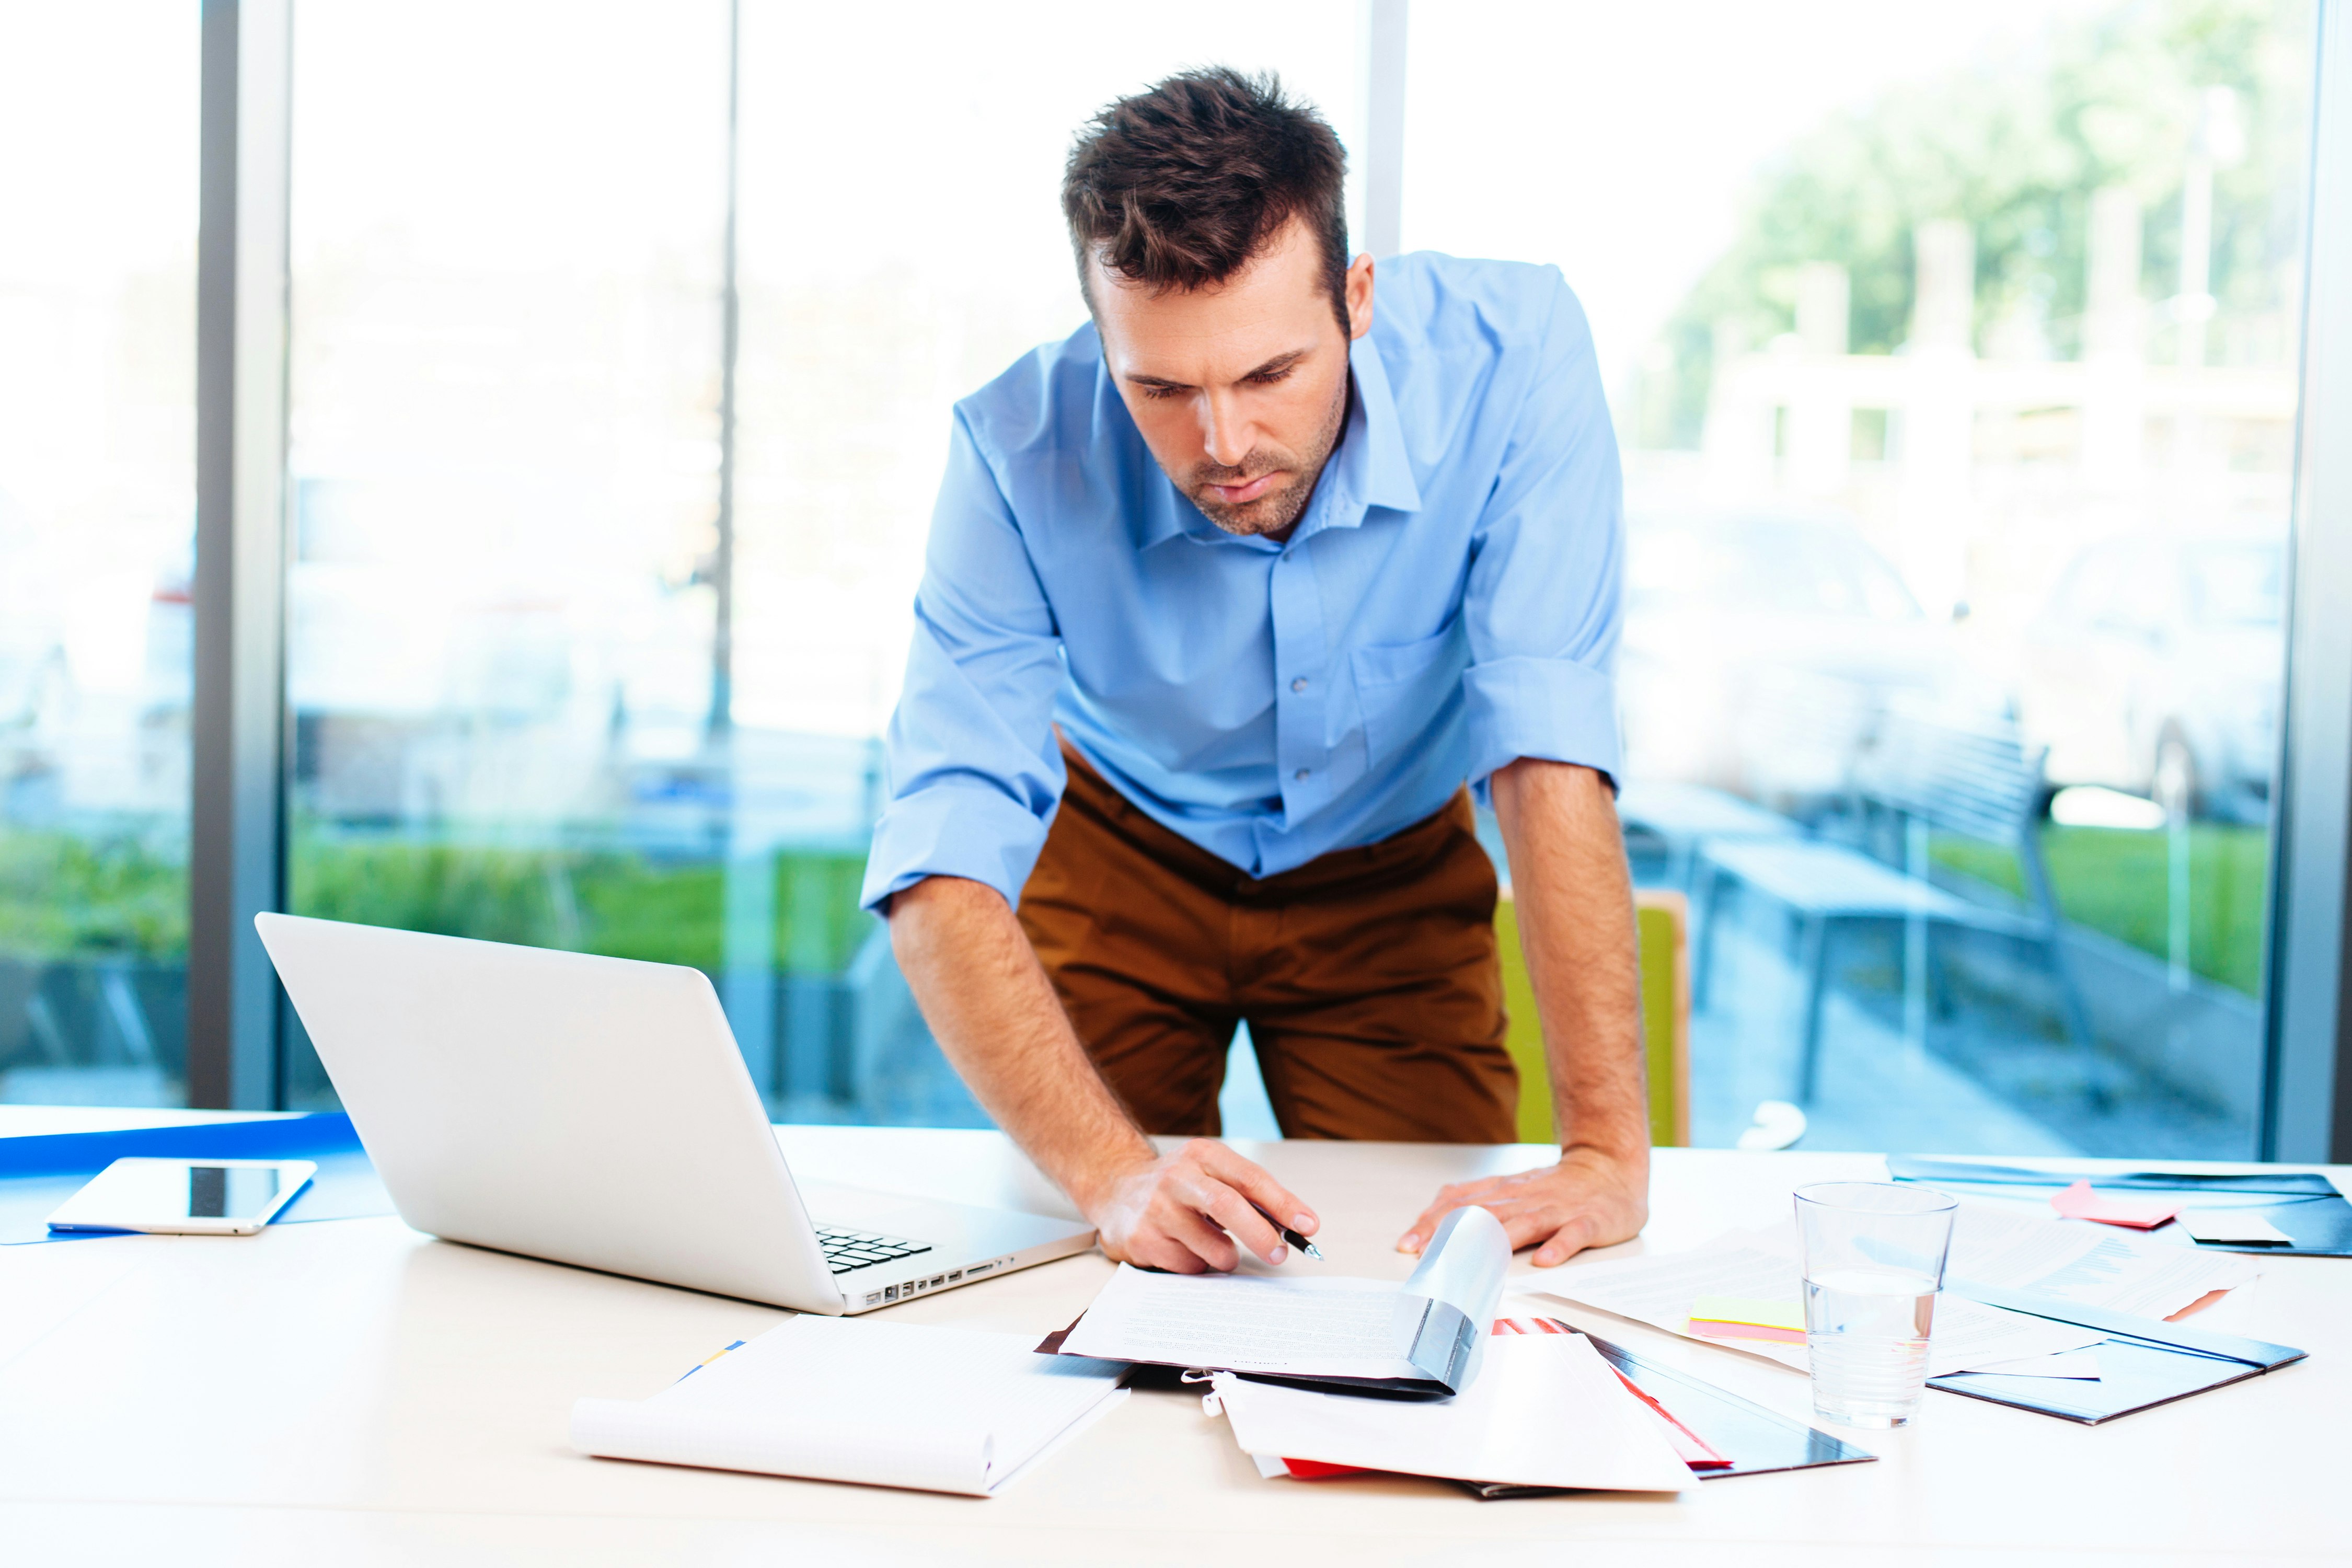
<point x="1291" y="1235"/>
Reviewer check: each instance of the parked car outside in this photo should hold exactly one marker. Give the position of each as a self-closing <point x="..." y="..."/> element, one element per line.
<point x="1760" y="646"/>
<point x="2154" y="668"/>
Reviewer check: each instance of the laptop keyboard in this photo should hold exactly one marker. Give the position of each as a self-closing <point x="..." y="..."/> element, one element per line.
<point x="849" y="1251"/>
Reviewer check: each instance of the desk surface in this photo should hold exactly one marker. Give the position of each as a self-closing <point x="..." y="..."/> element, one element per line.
<point x="351" y="1392"/>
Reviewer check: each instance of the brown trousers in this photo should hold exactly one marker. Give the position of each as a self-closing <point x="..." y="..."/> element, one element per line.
<point x="1368" y="977"/>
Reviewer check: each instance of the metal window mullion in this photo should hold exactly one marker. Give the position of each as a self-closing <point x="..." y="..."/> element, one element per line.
<point x="2307" y="1090"/>
<point x="722" y="640"/>
<point x="237" y="822"/>
<point x="1385" y="35"/>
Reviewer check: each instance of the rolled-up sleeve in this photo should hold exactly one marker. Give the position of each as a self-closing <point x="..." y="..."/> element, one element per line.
<point x="972" y="772"/>
<point x="1542" y="603"/>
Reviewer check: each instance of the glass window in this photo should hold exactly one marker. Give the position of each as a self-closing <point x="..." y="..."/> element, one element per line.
<point x="902" y="244"/>
<point x="1952" y="354"/>
<point x="504" y="472"/>
<point x="98" y="105"/>
<point x="508" y="367"/>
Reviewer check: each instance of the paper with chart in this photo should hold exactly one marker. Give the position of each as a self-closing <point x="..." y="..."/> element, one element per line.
<point x="844" y="1399"/>
<point x="1763" y="1263"/>
<point x="2088" y="1265"/>
<point x="1550" y="1413"/>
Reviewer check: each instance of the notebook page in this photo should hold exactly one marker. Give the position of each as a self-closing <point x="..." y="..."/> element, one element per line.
<point x="1303" y="1327"/>
<point x="1467" y="1259"/>
<point x="903" y="1405"/>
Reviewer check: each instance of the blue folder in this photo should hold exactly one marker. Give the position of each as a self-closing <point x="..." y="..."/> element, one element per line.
<point x="38" y="1174"/>
<point x="2142" y="1362"/>
<point x="2303" y="1203"/>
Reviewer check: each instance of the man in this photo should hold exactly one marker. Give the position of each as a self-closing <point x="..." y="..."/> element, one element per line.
<point x="1228" y="595"/>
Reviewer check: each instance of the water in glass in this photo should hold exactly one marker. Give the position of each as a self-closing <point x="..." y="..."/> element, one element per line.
<point x="1867" y="1331"/>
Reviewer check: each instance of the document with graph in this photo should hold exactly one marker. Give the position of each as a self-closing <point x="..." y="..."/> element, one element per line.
<point x="2085" y="1265"/>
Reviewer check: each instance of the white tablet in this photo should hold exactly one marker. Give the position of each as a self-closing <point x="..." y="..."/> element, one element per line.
<point x="187" y="1197"/>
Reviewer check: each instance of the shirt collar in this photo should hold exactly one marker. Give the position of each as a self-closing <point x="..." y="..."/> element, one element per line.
<point x="1371" y="469"/>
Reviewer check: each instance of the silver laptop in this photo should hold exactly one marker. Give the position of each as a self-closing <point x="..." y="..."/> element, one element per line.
<point x="596" y="1112"/>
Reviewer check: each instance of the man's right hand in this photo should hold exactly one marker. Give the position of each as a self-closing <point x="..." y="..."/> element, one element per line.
<point x="994" y="1014"/>
<point x="1174" y="1213"/>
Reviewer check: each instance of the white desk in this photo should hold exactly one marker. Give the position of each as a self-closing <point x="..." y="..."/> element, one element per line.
<point x="353" y="1393"/>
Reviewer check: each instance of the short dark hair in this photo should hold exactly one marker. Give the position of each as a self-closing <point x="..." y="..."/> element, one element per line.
<point x="1186" y="182"/>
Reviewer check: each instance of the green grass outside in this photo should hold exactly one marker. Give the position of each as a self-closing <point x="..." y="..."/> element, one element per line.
<point x="63" y="896"/>
<point x="2116" y="882"/>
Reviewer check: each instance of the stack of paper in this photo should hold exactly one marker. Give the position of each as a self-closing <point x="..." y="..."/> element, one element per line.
<point x="2089" y="1266"/>
<point x="894" y="1404"/>
<point x="1546" y="1411"/>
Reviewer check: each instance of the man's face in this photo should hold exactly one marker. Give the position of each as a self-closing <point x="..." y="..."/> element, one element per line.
<point x="1240" y="388"/>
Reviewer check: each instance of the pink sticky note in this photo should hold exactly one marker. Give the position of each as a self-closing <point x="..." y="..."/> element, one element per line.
<point x="2079" y="1202"/>
<point x="1712" y="1330"/>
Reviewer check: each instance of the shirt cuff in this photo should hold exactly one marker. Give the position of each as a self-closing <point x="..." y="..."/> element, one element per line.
<point x="949" y="831"/>
<point x="1554" y="710"/>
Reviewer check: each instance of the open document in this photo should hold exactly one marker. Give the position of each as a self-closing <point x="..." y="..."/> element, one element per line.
<point x="1425" y="1336"/>
<point x="1548" y="1413"/>
<point x="843" y="1399"/>
<point x="2088" y="1265"/>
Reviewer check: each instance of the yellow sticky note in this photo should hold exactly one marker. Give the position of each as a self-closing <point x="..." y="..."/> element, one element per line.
<point x="1787" y="1315"/>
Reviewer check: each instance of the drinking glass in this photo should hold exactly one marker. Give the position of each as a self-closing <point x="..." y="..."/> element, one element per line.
<point x="1874" y="1257"/>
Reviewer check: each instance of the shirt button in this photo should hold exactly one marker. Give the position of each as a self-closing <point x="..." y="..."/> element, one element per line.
<point x="1299" y="684"/>
<point x="1300" y="775"/>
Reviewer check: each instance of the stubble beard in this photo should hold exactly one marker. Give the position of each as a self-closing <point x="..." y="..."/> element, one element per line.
<point x="1276" y="509"/>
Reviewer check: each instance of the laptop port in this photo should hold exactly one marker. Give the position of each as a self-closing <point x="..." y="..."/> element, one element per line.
<point x="938" y="1280"/>
<point x="890" y="1292"/>
<point x="978" y="1269"/>
<point x="872" y="1297"/>
<point x="954" y="1275"/>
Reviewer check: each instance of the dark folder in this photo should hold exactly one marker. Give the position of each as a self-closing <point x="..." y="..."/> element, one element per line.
<point x="2303" y="1203"/>
<point x="2142" y="1363"/>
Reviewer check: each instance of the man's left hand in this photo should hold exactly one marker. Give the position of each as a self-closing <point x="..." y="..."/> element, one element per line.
<point x="1589" y="1199"/>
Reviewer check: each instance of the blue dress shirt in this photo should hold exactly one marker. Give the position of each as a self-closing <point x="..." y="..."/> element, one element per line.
<point x="1447" y="603"/>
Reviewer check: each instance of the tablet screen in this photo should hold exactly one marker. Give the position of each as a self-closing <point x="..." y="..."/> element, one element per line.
<point x="135" y="1193"/>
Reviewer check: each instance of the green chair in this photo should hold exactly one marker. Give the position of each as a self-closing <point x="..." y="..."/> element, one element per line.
<point x="1661" y="920"/>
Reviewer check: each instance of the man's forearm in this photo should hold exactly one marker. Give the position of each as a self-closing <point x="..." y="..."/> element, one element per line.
<point x="993" y="1011"/>
<point x="1575" y="904"/>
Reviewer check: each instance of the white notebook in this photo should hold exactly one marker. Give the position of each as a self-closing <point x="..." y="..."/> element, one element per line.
<point x="843" y="1399"/>
<point x="1426" y="1334"/>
